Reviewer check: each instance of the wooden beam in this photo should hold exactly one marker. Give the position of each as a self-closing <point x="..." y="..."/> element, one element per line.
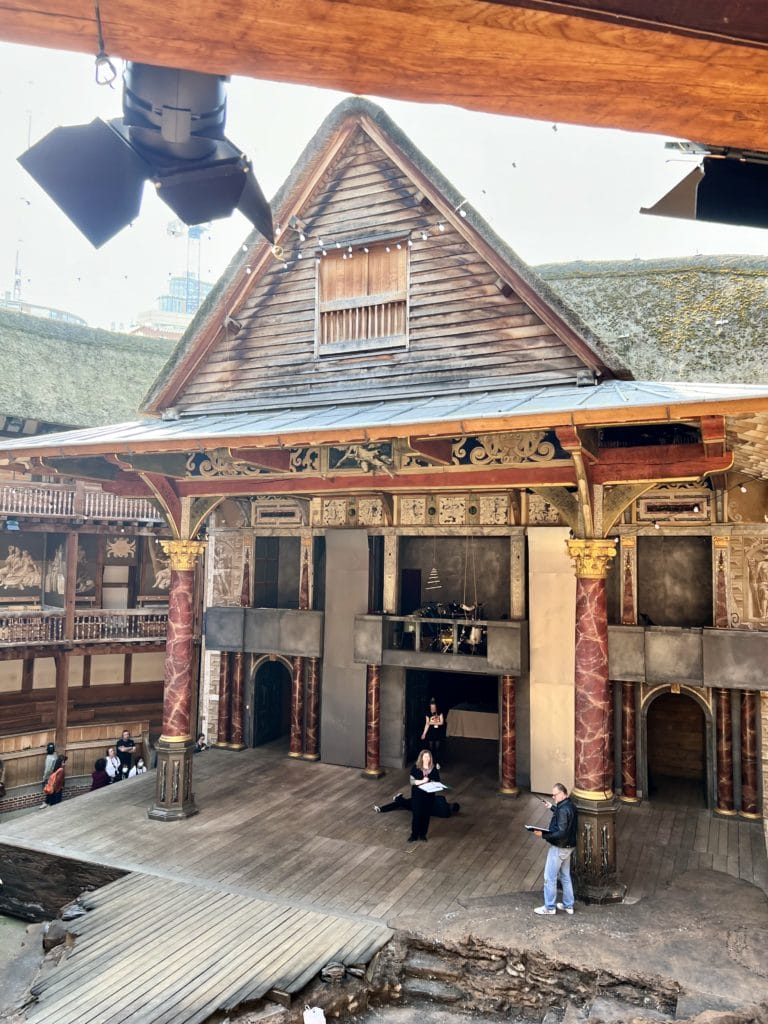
<point x="546" y="64"/>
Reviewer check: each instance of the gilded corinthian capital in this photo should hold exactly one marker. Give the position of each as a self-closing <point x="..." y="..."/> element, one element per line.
<point x="591" y="558"/>
<point x="183" y="553"/>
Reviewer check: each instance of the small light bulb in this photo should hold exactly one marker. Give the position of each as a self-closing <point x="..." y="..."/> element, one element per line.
<point x="743" y="488"/>
<point x="655" y="526"/>
<point x="399" y="246"/>
<point x="365" y="248"/>
<point x="387" y="249"/>
<point x="320" y="242"/>
<point x="338" y="245"/>
<point x="245" y="247"/>
<point x="441" y="226"/>
<point x="349" y="248"/>
<point x="695" y="508"/>
<point x="462" y="213"/>
<point x="410" y="242"/>
<point x="302" y="237"/>
<point x="299" y="255"/>
<point x="325" y="252"/>
<point x="424" y="236"/>
<point x="247" y="270"/>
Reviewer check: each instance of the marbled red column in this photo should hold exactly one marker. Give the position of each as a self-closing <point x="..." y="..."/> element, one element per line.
<point x="224" y="719"/>
<point x="177" y="692"/>
<point x="373" y="721"/>
<point x="721" y="582"/>
<point x="296" y="746"/>
<point x="236" y="735"/>
<point x="508" y="738"/>
<point x="724" y="747"/>
<point x="592" y="770"/>
<point x="749" y="755"/>
<point x="173" y="788"/>
<point x="628" y="744"/>
<point x="312" y="732"/>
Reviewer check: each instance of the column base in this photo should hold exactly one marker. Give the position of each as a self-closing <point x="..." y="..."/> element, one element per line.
<point x="750" y="816"/>
<point x="310" y="757"/>
<point x="372" y="773"/>
<point x="725" y="812"/>
<point x="174" y="798"/>
<point x="504" y="791"/>
<point x="594" y="878"/>
<point x="293" y="753"/>
<point x="630" y="799"/>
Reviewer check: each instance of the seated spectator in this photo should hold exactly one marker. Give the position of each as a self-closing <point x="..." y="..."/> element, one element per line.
<point x="138" y="769"/>
<point x="200" y="744"/>
<point x="113" y="766"/>
<point x="99" y="776"/>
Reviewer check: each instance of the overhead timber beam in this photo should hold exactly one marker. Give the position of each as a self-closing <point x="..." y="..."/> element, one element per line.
<point x="555" y="62"/>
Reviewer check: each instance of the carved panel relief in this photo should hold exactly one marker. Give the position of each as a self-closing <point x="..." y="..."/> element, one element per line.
<point x="749" y="582"/>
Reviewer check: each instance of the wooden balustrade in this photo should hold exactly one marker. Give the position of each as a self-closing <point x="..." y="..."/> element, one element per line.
<point x="61" y="501"/>
<point x="46" y="627"/>
<point x="361" y="322"/>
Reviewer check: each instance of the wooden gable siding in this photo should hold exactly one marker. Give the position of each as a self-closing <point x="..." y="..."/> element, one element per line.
<point x="462" y="330"/>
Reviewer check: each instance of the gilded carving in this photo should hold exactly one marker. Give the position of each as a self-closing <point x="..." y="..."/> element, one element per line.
<point x="370" y="458"/>
<point x="504" y="449"/>
<point x="183" y="553"/>
<point x="591" y="558"/>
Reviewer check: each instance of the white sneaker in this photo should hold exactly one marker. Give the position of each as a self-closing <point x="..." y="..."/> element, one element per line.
<point x="545" y="910"/>
<point x="562" y="906"/>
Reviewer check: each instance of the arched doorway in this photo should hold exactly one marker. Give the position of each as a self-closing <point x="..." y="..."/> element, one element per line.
<point x="676" y="750"/>
<point x="271" y="702"/>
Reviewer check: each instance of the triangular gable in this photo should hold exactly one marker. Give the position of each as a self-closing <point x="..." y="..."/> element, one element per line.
<point x="477" y="316"/>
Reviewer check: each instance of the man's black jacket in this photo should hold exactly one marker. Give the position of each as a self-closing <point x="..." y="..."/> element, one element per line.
<point x="562" y="827"/>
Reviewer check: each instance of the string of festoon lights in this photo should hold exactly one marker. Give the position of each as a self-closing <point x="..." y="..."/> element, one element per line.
<point x="306" y="247"/>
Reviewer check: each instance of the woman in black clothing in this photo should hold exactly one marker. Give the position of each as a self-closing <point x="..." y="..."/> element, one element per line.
<point x="425" y="770"/>
<point x="434" y="729"/>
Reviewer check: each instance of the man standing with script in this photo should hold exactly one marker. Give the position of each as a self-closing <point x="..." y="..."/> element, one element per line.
<point x="561" y="835"/>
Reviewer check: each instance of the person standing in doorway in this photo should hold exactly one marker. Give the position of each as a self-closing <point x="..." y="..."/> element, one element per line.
<point x="561" y="836"/>
<point x="434" y="730"/>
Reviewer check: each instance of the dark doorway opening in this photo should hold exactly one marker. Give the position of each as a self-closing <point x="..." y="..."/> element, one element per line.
<point x="473" y="699"/>
<point x="271" y="719"/>
<point x="677" y="751"/>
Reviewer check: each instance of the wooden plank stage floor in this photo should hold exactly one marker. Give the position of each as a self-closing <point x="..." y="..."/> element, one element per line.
<point x="293" y="849"/>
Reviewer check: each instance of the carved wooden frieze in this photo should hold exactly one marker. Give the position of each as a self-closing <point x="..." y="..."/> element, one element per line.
<point x="370" y="512"/>
<point x="412" y="510"/>
<point x="504" y="449"/>
<point x="541" y="512"/>
<point x="749" y="581"/>
<point x="494" y="509"/>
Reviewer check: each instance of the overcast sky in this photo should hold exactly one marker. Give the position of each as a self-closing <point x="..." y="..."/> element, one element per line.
<point x="553" y="192"/>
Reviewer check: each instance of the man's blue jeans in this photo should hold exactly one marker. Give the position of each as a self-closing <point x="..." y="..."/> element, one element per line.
<point x="558" y="863"/>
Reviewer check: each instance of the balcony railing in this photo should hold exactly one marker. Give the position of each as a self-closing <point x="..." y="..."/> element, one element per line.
<point x="443" y="636"/>
<point x="122" y="625"/>
<point x="62" y="501"/>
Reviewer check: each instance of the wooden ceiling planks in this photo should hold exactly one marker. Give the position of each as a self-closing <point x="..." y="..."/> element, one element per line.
<point x="500" y="58"/>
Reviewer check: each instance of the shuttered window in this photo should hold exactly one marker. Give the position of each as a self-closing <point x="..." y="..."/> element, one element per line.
<point x="363" y="299"/>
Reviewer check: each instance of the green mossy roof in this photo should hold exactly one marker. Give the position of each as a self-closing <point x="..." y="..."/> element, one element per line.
<point x="697" y="318"/>
<point x="69" y="375"/>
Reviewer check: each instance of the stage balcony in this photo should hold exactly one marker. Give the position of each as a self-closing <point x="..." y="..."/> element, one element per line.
<point x="698" y="657"/>
<point x="476" y="646"/>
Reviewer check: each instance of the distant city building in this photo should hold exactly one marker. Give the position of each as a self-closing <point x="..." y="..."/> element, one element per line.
<point x="47" y="312"/>
<point x="174" y="309"/>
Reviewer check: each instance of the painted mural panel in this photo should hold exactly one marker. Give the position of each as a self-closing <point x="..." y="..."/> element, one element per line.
<point x="155" y="571"/>
<point x="21" y="568"/>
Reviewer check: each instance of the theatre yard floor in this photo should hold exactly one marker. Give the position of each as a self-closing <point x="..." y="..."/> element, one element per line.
<point x="303" y="836"/>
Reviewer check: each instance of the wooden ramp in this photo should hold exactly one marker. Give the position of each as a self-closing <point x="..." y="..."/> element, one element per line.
<point x="155" y="951"/>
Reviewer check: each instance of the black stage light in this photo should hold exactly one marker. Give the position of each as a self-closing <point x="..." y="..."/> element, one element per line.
<point x="726" y="189"/>
<point x="172" y="134"/>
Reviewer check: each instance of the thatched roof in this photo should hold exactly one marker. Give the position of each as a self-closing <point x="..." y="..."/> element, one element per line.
<point x="69" y="375"/>
<point x="696" y="318"/>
